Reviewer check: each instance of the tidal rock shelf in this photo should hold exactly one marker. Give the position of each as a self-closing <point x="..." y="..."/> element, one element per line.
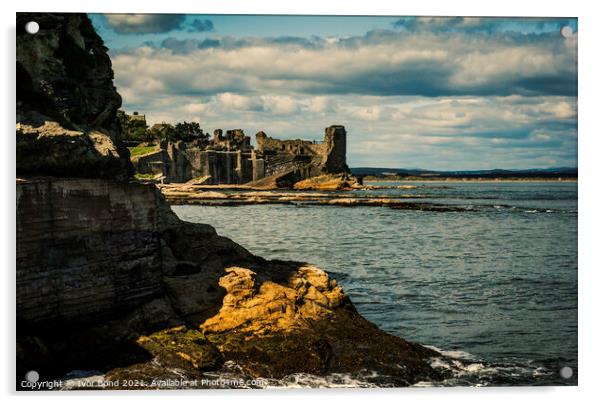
<point x="194" y="196"/>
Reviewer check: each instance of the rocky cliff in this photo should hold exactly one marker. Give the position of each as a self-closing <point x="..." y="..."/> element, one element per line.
<point x="109" y="279"/>
<point x="66" y="101"/>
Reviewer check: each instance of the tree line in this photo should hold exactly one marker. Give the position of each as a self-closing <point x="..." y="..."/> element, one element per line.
<point x="138" y="130"/>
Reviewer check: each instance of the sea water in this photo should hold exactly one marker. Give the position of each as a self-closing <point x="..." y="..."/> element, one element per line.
<point x="494" y="287"/>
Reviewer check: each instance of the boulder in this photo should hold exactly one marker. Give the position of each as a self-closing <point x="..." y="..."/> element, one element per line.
<point x="328" y="182"/>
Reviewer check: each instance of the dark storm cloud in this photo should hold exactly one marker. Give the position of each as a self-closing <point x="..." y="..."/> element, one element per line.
<point x="230" y="43"/>
<point x="156" y="23"/>
<point x="198" y="25"/>
<point x="144" y="23"/>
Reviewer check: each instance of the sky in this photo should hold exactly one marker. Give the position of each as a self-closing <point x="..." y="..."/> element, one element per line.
<point x="441" y="93"/>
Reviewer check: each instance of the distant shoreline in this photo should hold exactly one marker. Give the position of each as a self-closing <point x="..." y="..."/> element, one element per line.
<point x="465" y="179"/>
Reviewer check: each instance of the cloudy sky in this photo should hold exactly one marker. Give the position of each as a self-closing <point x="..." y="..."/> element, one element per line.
<point x="436" y="93"/>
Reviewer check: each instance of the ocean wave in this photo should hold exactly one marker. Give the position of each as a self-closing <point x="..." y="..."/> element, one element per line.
<point x="232" y="371"/>
<point x="452" y="354"/>
<point x="459" y="368"/>
<point x="464" y="369"/>
<point x="78" y="379"/>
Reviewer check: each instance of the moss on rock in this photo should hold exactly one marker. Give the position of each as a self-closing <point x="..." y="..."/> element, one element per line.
<point x="182" y="348"/>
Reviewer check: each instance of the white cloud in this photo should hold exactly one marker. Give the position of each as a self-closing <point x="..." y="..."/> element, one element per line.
<point x="280" y="105"/>
<point x="239" y="102"/>
<point x="369" y="114"/>
<point x="389" y="64"/>
<point x="322" y="104"/>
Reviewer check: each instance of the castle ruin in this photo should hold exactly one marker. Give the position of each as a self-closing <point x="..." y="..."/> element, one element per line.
<point x="231" y="159"/>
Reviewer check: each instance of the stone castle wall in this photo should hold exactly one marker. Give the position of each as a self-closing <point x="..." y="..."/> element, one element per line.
<point x="230" y="158"/>
<point x="306" y="158"/>
<point x="334" y="153"/>
<point x="179" y="163"/>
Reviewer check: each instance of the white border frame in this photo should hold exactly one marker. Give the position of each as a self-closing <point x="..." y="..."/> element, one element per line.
<point x="589" y="185"/>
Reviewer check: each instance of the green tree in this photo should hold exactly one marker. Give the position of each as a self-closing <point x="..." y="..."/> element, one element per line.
<point x="189" y="131"/>
<point x="133" y="129"/>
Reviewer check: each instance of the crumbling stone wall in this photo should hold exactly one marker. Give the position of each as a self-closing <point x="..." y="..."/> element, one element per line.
<point x="334" y="153"/>
<point x="230" y="158"/>
<point x="178" y="162"/>
<point x="293" y="147"/>
<point x="308" y="158"/>
<point x="151" y="163"/>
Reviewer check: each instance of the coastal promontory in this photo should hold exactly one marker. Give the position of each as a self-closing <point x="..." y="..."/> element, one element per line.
<point x="110" y="280"/>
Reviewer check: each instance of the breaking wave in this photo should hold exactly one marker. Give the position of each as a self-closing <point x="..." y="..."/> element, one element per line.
<point x="464" y="369"/>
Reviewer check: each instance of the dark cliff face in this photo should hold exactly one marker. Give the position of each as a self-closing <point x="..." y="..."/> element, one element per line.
<point x="91" y="250"/>
<point x="64" y="70"/>
<point x="100" y="262"/>
<point x="66" y="100"/>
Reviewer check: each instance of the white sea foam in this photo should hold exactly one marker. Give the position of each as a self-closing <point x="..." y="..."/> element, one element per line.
<point x="461" y="368"/>
<point x="333" y="380"/>
<point x="452" y="354"/>
<point x="78" y="379"/>
<point x="465" y="369"/>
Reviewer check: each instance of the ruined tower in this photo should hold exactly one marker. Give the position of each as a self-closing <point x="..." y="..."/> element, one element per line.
<point x="335" y="150"/>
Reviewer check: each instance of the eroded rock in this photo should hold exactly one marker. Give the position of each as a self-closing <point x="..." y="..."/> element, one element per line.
<point x="66" y="101"/>
<point x="305" y="323"/>
<point x="261" y="307"/>
<point x="44" y="147"/>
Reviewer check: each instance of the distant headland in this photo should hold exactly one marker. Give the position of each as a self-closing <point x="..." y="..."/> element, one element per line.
<point x="416" y="174"/>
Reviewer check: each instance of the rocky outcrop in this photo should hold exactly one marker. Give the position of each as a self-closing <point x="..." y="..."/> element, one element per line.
<point x="103" y="267"/>
<point x="66" y="101"/>
<point x="298" y="312"/>
<point x="44" y="147"/>
<point x="109" y="279"/>
<point x="330" y="182"/>
<point x="281" y="318"/>
<point x="100" y="262"/>
<point x="88" y="248"/>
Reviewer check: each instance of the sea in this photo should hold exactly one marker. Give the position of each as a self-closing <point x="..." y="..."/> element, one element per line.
<point x="493" y="286"/>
